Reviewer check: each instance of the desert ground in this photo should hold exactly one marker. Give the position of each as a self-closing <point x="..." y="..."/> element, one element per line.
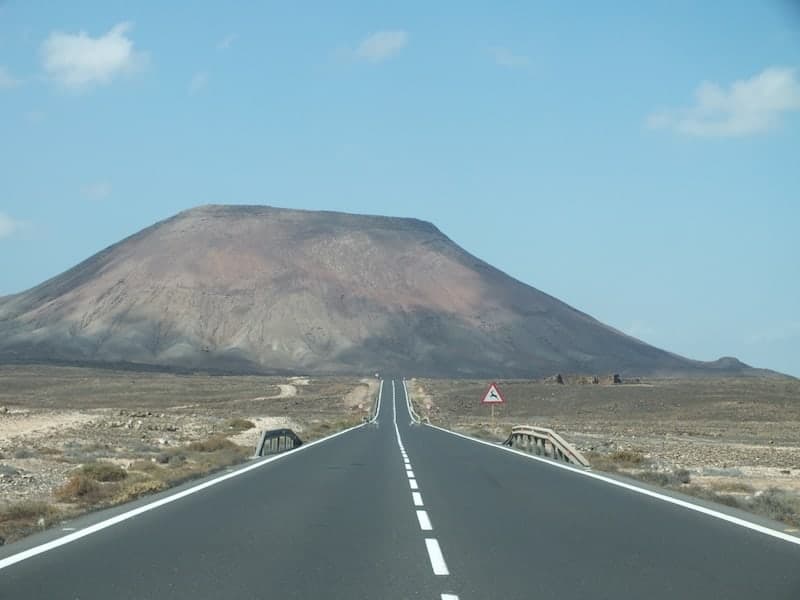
<point x="73" y="439"/>
<point x="734" y="441"/>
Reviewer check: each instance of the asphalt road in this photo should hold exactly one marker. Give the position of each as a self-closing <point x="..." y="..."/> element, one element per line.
<point x="408" y="511"/>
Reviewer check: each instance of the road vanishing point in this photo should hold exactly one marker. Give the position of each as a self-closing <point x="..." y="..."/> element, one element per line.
<point x="397" y="510"/>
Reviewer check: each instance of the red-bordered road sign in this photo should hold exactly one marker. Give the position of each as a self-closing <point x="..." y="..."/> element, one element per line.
<point x="493" y="395"/>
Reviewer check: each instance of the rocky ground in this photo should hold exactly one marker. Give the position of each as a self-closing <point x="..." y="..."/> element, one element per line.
<point x="54" y="421"/>
<point x="735" y="441"/>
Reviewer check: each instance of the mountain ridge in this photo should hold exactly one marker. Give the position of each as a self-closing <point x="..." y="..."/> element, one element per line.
<point x="263" y="289"/>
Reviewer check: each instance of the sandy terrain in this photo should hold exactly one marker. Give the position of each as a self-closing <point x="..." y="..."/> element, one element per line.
<point x="361" y="396"/>
<point x="21" y="425"/>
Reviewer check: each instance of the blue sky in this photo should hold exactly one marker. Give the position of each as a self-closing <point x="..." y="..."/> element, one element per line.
<point x="636" y="160"/>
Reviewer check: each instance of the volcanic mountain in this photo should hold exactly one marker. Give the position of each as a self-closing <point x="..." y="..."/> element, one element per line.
<point x="261" y="289"/>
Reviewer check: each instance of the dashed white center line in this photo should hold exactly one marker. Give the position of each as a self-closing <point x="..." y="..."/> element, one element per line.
<point x="435" y="554"/>
<point x="424" y="521"/>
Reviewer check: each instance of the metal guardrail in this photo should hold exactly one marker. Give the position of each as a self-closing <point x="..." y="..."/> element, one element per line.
<point x="544" y="442"/>
<point x="274" y="441"/>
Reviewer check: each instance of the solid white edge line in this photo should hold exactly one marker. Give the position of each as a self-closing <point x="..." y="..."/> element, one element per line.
<point x="435" y="555"/>
<point x="424" y="521"/>
<point x="378" y="407"/>
<point x="412" y="483"/>
<point x="645" y="492"/>
<point x="414" y="416"/>
<point x="410" y="474"/>
<point x="417" y="498"/>
<point x="51" y="545"/>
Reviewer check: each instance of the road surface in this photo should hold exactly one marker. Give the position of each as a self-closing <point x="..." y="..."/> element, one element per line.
<point x="395" y="510"/>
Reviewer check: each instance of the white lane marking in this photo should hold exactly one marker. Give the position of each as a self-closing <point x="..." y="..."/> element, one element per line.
<point x="449" y="597"/>
<point x="378" y="407"/>
<point x="68" y="529"/>
<point x="42" y="548"/>
<point x="414" y="416"/>
<point x="394" y="420"/>
<point x="424" y="521"/>
<point x="435" y="554"/>
<point x="434" y="551"/>
<point x="677" y="501"/>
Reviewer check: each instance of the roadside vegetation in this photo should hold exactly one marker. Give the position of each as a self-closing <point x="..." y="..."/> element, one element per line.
<point x="773" y="503"/>
<point x="101" y="484"/>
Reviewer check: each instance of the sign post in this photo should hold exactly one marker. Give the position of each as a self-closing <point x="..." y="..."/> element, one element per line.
<point x="492" y="397"/>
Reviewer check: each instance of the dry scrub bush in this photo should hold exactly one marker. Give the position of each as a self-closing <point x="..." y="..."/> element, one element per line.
<point x="17" y="520"/>
<point x="212" y="444"/>
<point x="80" y="488"/>
<point x="777" y="504"/>
<point x="135" y="489"/>
<point x="627" y="458"/>
<point x="240" y="424"/>
<point x="30" y="510"/>
<point x="104" y="472"/>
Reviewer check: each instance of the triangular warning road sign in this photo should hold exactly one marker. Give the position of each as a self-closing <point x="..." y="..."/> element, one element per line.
<point x="493" y="395"/>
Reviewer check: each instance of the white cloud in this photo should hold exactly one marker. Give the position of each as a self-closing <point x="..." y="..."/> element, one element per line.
<point x="746" y="107"/>
<point x="227" y="41"/>
<point x="8" y="226"/>
<point x="78" y="61"/>
<point x="198" y="82"/>
<point x="98" y="190"/>
<point x="506" y="58"/>
<point x="381" y="45"/>
<point x="7" y="80"/>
